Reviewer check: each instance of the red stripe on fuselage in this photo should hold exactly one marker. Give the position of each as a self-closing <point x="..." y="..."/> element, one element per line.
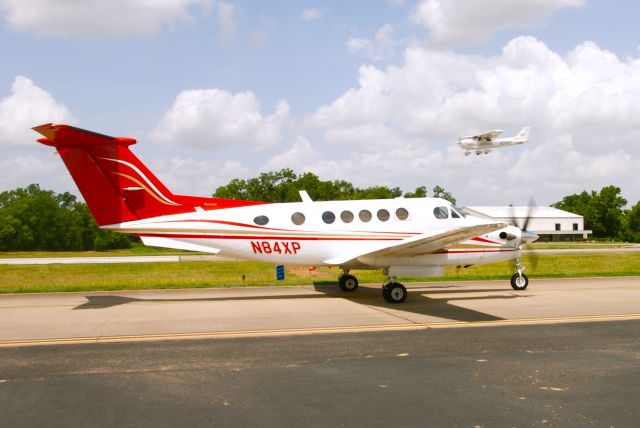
<point x="262" y="237"/>
<point x="232" y="223"/>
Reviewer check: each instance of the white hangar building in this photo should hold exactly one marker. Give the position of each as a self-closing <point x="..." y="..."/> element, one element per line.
<point x="551" y="224"/>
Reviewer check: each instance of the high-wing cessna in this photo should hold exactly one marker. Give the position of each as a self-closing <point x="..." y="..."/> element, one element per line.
<point x="403" y="237"/>
<point x="484" y="143"/>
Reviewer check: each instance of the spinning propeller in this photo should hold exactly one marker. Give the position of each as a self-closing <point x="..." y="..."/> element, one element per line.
<point x="527" y="237"/>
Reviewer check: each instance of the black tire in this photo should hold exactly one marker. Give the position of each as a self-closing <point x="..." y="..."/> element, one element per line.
<point x="385" y="293"/>
<point x="348" y="283"/>
<point x="394" y="293"/>
<point x="519" y="283"/>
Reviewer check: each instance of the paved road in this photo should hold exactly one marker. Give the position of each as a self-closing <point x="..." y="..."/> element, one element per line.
<point x="170" y="314"/>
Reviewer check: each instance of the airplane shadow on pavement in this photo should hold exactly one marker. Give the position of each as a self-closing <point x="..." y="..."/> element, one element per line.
<point x="420" y="301"/>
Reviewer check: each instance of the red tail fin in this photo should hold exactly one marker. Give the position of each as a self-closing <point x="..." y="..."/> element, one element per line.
<point x="115" y="184"/>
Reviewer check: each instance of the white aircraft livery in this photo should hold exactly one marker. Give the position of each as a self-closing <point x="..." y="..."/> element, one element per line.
<point x="404" y="237"/>
<point x="484" y="143"/>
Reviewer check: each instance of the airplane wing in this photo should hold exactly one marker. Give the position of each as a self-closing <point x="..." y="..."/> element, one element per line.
<point x="423" y="244"/>
<point x="488" y="135"/>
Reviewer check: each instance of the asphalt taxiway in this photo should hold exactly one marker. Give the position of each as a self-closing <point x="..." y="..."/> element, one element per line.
<point x="565" y="375"/>
<point x="31" y="319"/>
<point x="561" y="353"/>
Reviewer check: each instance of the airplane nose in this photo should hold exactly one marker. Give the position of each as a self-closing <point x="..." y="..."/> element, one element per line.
<point x="529" y="237"/>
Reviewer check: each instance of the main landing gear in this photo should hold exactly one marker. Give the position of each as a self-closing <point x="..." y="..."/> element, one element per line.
<point x="392" y="291"/>
<point x="519" y="281"/>
<point x="348" y="282"/>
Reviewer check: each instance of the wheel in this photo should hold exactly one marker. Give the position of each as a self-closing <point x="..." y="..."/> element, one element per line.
<point x="385" y="293"/>
<point x="348" y="282"/>
<point x="394" y="292"/>
<point x="519" y="282"/>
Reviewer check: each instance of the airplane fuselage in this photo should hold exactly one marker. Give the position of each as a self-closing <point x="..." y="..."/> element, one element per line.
<point x="323" y="233"/>
<point x="485" y="142"/>
<point x="485" y="146"/>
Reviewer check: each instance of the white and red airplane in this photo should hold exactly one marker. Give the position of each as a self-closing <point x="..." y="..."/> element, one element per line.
<point x="484" y="143"/>
<point x="403" y="237"/>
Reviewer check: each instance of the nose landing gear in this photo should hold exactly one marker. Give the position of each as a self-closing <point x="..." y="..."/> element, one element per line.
<point x="519" y="281"/>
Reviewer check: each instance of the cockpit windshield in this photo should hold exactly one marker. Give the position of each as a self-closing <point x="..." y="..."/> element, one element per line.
<point x="457" y="212"/>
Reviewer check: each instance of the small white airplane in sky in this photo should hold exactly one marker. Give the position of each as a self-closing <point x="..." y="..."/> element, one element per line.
<point x="484" y="143"/>
<point x="414" y="237"/>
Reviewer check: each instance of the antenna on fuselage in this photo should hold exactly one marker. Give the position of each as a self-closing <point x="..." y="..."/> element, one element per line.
<point x="305" y="196"/>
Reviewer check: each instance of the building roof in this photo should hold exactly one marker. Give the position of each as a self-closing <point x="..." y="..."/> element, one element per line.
<point x="522" y="212"/>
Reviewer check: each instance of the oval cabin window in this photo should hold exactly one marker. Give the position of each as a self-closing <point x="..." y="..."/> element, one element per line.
<point x="297" y="218"/>
<point x="328" y="217"/>
<point x="402" y="213"/>
<point x="383" y="215"/>
<point x="261" y="220"/>
<point x="346" y="216"/>
<point x="365" y="215"/>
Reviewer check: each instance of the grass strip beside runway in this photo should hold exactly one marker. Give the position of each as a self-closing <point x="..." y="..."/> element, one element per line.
<point x="136" y="276"/>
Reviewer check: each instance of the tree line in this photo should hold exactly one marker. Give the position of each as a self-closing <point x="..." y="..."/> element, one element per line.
<point x="604" y="213"/>
<point x="35" y="219"/>
<point x="285" y="185"/>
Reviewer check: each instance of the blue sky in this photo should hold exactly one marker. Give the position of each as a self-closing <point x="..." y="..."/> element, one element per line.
<point x="376" y="92"/>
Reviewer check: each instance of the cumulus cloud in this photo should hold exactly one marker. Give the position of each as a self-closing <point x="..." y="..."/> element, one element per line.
<point x="403" y="121"/>
<point x="209" y="118"/>
<point x="28" y="106"/>
<point x="226" y="25"/>
<point x="196" y="177"/>
<point x="22" y="168"/>
<point x="97" y="18"/>
<point x="313" y="14"/>
<point x="303" y="157"/>
<point x="459" y="22"/>
<point x="436" y="93"/>
<point x="380" y="47"/>
<point x="27" y="169"/>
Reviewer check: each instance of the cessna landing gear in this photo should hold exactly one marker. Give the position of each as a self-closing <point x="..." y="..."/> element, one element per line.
<point x="394" y="292"/>
<point x="348" y="282"/>
<point x="519" y="281"/>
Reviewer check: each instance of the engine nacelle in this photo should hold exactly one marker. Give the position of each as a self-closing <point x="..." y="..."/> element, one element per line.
<point x="508" y="236"/>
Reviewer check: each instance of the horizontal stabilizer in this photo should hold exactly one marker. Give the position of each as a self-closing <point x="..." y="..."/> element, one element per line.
<point x="154" y="241"/>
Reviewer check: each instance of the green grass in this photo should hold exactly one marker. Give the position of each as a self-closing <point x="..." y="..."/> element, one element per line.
<point x="578" y="245"/>
<point x="134" y="276"/>
<point x="140" y="250"/>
